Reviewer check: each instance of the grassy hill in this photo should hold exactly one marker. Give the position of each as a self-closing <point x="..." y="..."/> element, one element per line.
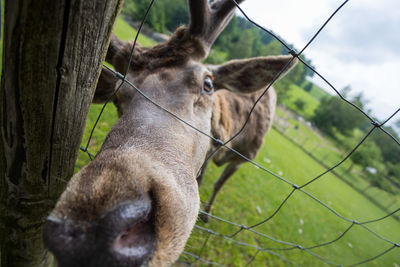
<point x="253" y="195"/>
<point x="309" y="99"/>
<point x="126" y="32"/>
<point x="310" y="103"/>
<point x="317" y="92"/>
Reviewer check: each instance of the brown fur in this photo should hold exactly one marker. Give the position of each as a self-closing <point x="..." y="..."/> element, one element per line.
<point x="229" y="115"/>
<point x="173" y="53"/>
<point x="92" y="193"/>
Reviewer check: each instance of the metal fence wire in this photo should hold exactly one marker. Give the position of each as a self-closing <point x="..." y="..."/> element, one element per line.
<point x="190" y="258"/>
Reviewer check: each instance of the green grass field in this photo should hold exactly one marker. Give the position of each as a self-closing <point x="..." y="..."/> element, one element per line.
<point x="330" y="154"/>
<point x="310" y="102"/>
<point x="317" y="92"/>
<point x="126" y="32"/>
<point x="252" y="195"/>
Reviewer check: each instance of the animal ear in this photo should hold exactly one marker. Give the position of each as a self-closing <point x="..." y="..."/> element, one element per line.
<point x="119" y="53"/>
<point x="105" y="86"/>
<point x="249" y="75"/>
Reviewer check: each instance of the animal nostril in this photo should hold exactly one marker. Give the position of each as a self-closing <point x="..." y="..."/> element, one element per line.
<point x="136" y="241"/>
<point x="127" y="214"/>
<point x="132" y="224"/>
<point x="67" y="241"/>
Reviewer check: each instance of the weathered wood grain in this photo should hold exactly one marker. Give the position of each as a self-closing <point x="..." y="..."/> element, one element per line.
<point x="53" y="51"/>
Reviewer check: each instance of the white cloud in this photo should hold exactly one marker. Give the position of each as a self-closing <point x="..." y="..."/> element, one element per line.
<point x="359" y="46"/>
<point x="291" y="19"/>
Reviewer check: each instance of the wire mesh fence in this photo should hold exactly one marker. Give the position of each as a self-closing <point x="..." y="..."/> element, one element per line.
<point x="194" y="256"/>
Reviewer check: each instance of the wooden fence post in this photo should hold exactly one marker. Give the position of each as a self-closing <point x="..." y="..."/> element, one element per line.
<point x="52" y="56"/>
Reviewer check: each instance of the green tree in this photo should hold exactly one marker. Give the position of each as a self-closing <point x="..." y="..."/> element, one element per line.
<point x="176" y="14"/>
<point x="230" y="34"/>
<point x="334" y="114"/>
<point x="360" y="100"/>
<point x="136" y="9"/>
<point x="377" y="180"/>
<point x="257" y="49"/>
<point x="298" y="74"/>
<point x="308" y="87"/>
<point x="390" y="150"/>
<point x="394" y="170"/>
<point x="216" y="57"/>
<point x="367" y="154"/>
<point x="300" y="104"/>
<point x="282" y="87"/>
<point x="242" y="47"/>
<point x="129" y="8"/>
<point x="273" y="48"/>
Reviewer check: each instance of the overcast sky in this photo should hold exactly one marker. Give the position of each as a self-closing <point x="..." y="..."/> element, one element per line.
<point x="360" y="46"/>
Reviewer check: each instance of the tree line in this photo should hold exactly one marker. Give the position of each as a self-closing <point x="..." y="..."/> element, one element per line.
<point x="347" y="127"/>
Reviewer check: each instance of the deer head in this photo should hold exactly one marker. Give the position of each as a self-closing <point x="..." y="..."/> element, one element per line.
<point x="136" y="203"/>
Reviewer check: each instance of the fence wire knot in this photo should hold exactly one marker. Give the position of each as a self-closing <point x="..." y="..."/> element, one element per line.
<point x="119" y="75"/>
<point x="376" y="124"/>
<point x="293" y="53"/>
<point x="219" y="142"/>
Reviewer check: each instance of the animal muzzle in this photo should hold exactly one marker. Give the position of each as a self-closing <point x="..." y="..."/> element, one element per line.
<point x="125" y="236"/>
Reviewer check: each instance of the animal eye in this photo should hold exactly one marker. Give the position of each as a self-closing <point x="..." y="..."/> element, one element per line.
<point x="208" y="86"/>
